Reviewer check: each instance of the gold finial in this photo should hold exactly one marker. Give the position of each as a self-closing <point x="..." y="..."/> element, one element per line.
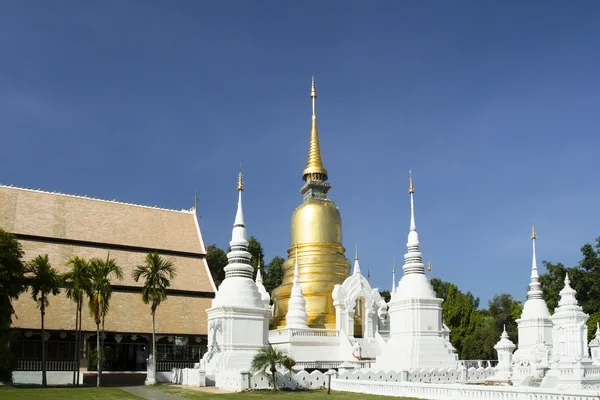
<point x="533" y="234"/>
<point x="411" y="188"/>
<point x="314" y="166"/>
<point x="240" y="185"/>
<point x="429" y="266"/>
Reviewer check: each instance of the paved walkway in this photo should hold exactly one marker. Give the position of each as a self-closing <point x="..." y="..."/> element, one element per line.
<point x="150" y="394"/>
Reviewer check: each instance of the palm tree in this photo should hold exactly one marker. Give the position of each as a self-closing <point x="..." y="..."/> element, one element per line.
<point x="43" y="280"/>
<point x="77" y="282"/>
<point x="99" y="294"/>
<point x="269" y="357"/>
<point x="157" y="273"/>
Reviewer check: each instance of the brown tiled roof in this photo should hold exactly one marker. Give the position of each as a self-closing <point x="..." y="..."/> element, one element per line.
<point x="63" y="226"/>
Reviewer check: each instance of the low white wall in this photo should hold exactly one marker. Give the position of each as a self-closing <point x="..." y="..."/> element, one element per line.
<point x="163" y="376"/>
<point x="434" y="391"/>
<point x="35" y="377"/>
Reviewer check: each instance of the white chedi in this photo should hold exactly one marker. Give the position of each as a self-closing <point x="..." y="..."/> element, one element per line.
<point x="296" y="316"/>
<point x="238" y="320"/>
<point x="535" y="329"/>
<point x="504" y="348"/>
<point x="417" y="337"/>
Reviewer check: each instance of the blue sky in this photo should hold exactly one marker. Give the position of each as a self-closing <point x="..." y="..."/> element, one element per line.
<point x="494" y="105"/>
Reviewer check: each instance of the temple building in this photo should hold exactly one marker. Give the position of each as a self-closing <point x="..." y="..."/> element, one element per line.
<point x="64" y="226"/>
<point x="316" y="241"/>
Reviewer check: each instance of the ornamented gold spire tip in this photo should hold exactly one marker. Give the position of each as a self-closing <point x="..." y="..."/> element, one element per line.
<point x="533" y="234"/>
<point x="429" y="266"/>
<point x="411" y="188"/>
<point x="240" y="185"/>
<point x="314" y="166"/>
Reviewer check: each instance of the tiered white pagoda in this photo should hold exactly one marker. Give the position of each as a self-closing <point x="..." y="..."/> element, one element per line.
<point x="417" y="337"/>
<point x="570" y="365"/>
<point x="535" y="329"/>
<point x="238" y="321"/>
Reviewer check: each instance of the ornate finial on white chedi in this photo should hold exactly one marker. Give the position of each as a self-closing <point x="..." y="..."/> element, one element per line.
<point x="261" y="288"/>
<point x="504" y="348"/>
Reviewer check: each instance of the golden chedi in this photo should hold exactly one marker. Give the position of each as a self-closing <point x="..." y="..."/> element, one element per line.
<point x="317" y="232"/>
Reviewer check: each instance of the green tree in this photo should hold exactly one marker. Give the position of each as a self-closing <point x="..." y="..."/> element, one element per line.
<point x="274" y="274"/>
<point x="386" y="295"/>
<point x="458" y="312"/>
<point x="44" y="281"/>
<point x="77" y="282"/>
<point x="505" y="310"/>
<point x="217" y="261"/>
<point x="255" y="248"/>
<point x="269" y="357"/>
<point x="99" y="294"/>
<point x="12" y="283"/>
<point x="157" y="273"/>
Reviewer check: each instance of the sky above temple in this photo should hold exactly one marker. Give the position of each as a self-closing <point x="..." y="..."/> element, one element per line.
<point x="494" y="106"/>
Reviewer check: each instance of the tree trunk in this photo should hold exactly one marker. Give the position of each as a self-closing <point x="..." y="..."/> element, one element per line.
<point x="153" y="339"/>
<point x="273" y="371"/>
<point x="76" y="341"/>
<point x="44" y="382"/>
<point x="81" y="342"/>
<point x="98" y="368"/>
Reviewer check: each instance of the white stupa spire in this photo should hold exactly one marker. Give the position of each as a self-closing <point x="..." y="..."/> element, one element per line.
<point x="393" y="276"/>
<point x="238" y="257"/>
<point x="413" y="259"/>
<point x="567" y="295"/>
<point x="296" y="316"/>
<point x="261" y="288"/>
<point x="535" y="287"/>
<point x="356" y="264"/>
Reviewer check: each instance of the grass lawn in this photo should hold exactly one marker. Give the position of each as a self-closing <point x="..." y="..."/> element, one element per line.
<point x="103" y="393"/>
<point x="265" y="394"/>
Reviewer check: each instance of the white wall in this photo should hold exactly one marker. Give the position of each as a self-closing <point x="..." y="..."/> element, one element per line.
<point x="35" y="377"/>
<point x="456" y="391"/>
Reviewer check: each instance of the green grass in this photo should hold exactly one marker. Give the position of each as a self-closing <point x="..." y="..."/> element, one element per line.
<point x="103" y="393"/>
<point x="267" y="394"/>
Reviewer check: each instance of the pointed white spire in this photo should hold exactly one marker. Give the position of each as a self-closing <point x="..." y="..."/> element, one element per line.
<point x="239" y="227"/>
<point x="535" y="287"/>
<point x="567" y="295"/>
<point x="356" y="264"/>
<point x="296" y="316"/>
<point x="239" y="257"/>
<point x="261" y="288"/>
<point x="413" y="259"/>
<point x="393" y="276"/>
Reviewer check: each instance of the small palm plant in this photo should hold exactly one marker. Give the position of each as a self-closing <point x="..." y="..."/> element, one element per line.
<point x="99" y="294"/>
<point x="77" y="282"/>
<point x="269" y="357"/>
<point x="157" y="273"/>
<point x="43" y="280"/>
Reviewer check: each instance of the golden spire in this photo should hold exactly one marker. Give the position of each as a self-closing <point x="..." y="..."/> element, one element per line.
<point x="411" y="188"/>
<point x="429" y="266"/>
<point x="240" y="185"/>
<point x="314" y="166"/>
<point x="533" y="234"/>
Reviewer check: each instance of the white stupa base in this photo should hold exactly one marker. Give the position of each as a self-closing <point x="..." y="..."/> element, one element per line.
<point x="236" y="334"/>
<point x="572" y="375"/>
<point x="306" y="345"/>
<point x="417" y="350"/>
